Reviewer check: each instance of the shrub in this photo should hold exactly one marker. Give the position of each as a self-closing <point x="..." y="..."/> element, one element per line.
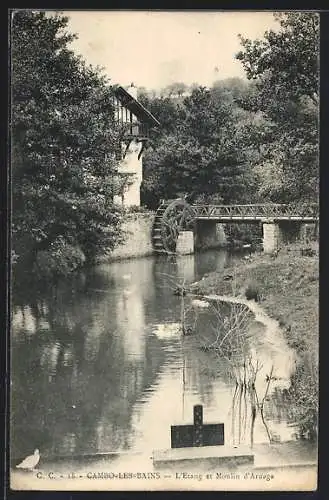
<point x="136" y="209"/>
<point x="304" y="395"/>
<point x="308" y="252"/>
<point x="61" y="259"/>
<point x="253" y="292"/>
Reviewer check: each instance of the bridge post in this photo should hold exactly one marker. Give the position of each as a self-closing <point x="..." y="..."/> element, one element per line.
<point x="310" y="231"/>
<point x="209" y="234"/>
<point x="279" y="233"/>
<point x="185" y="243"/>
<point x="271" y="235"/>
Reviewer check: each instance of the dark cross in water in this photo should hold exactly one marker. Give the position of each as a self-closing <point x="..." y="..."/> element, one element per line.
<point x="198" y="434"/>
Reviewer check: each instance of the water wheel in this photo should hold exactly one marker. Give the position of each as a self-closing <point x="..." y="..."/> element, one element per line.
<point x="172" y="217"/>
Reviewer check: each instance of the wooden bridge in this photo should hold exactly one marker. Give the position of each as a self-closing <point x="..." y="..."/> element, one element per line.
<point x="176" y="216"/>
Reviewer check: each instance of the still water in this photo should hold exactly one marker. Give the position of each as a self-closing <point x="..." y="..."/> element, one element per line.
<point x="99" y="363"/>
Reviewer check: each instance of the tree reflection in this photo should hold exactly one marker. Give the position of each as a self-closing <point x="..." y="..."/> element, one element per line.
<point x="87" y="360"/>
<point x="74" y="384"/>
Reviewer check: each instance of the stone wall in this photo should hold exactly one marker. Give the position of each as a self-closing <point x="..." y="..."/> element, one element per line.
<point x="138" y="242"/>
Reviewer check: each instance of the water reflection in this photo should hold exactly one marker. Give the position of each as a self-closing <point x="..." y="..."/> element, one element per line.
<point x="210" y="261"/>
<point x="186" y="268"/>
<point x="99" y="363"/>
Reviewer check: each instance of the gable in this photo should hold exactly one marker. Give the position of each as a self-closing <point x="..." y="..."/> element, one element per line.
<point x="133" y="106"/>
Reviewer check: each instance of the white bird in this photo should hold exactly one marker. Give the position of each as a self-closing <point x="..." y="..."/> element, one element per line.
<point x="199" y="303"/>
<point x="168" y="330"/>
<point x="129" y="291"/>
<point x="30" y="462"/>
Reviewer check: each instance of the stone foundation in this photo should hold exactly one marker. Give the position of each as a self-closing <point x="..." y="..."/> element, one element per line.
<point x="185" y="243"/>
<point x="276" y="234"/>
<point x="138" y="241"/>
<point x="271" y="237"/>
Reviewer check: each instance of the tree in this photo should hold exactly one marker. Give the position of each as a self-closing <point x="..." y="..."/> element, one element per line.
<point x="285" y="70"/>
<point x="176" y="89"/>
<point x="288" y="58"/>
<point x="200" y="154"/>
<point x="166" y="110"/>
<point x="230" y="88"/>
<point x="63" y="145"/>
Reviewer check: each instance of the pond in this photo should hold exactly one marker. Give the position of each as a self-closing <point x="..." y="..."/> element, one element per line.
<point x="99" y="363"/>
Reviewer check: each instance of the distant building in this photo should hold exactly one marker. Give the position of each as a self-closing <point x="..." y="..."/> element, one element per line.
<point x="137" y="121"/>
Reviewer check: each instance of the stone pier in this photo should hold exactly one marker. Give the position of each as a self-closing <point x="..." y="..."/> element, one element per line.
<point x="185" y="243"/>
<point x="209" y="234"/>
<point x="276" y="234"/>
<point x="271" y="236"/>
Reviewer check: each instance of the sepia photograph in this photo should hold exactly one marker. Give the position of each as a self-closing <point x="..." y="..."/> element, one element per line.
<point x="164" y="329"/>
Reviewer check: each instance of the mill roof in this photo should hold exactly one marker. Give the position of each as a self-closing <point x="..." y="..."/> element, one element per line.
<point x="135" y="106"/>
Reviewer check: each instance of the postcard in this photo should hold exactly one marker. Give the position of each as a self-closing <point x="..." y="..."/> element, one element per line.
<point x="164" y="267"/>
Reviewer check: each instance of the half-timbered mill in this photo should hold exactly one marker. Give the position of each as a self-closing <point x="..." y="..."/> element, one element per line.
<point x="137" y="121"/>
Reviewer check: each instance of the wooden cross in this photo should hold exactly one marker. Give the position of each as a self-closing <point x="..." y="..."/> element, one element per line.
<point x="198" y="434"/>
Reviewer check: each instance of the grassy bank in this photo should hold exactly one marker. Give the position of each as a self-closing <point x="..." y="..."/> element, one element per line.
<point x="287" y="285"/>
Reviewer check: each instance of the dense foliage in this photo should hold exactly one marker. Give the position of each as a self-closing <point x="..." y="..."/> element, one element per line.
<point x="284" y="68"/>
<point x="201" y="152"/>
<point x="244" y="141"/>
<point x="63" y="143"/>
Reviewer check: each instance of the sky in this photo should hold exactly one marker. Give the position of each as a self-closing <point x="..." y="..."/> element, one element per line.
<point x="153" y="49"/>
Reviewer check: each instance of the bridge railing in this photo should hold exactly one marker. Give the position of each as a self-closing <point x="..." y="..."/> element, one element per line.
<point x="270" y="210"/>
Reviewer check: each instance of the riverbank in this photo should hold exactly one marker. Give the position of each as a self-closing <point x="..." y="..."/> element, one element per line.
<point x="287" y="287"/>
